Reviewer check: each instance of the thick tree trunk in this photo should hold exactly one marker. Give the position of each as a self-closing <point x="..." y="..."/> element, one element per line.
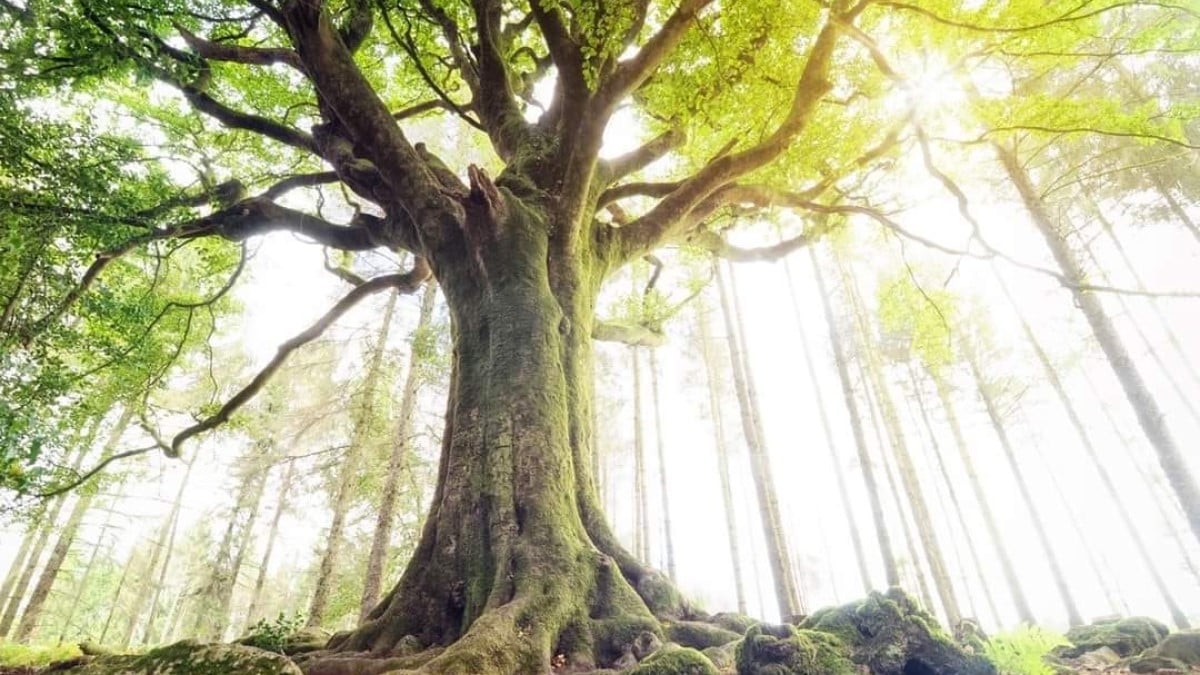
<point x="398" y="461"/>
<point x="839" y="472"/>
<point x="1110" y="487"/>
<point x="786" y="593"/>
<point x="891" y="574"/>
<point x="1012" y="580"/>
<point x="147" y="584"/>
<point x="1149" y="414"/>
<point x="348" y="471"/>
<point x="66" y="537"/>
<point x="1056" y="569"/>
<point x="661" y="444"/>
<point x="907" y="470"/>
<point x="712" y="381"/>
<point x="976" y="560"/>
<point x="515" y="563"/>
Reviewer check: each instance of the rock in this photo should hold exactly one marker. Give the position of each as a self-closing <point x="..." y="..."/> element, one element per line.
<point x="1097" y="658"/>
<point x="723" y="657"/>
<point x="970" y="636"/>
<point x="192" y="658"/>
<point x="890" y="635"/>
<point x="700" y="635"/>
<point x="1181" y="650"/>
<point x="732" y="621"/>
<point x="1126" y="636"/>
<point x="786" y="650"/>
<point x="675" y="660"/>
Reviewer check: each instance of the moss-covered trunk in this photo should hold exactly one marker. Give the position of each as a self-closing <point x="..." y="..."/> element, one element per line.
<point x="515" y="565"/>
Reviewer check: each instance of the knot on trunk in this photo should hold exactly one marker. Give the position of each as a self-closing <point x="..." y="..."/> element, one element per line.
<point x="484" y="202"/>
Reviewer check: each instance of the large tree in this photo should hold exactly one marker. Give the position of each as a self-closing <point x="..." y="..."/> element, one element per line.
<point x="758" y="105"/>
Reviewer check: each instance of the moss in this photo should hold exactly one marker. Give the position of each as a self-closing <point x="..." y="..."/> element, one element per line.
<point x="615" y="637"/>
<point x="13" y="654"/>
<point x="1126" y="637"/>
<point x="700" y="635"/>
<point x="192" y="658"/>
<point x="723" y="657"/>
<point x="677" y="661"/>
<point x="889" y="634"/>
<point x="1181" y="649"/>
<point x="661" y="596"/>
<point x="738" y="623"/>
<point x="784" y="650"/>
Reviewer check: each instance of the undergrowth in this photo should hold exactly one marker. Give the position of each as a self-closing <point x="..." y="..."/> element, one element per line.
<point x="1022" y="651"/>
<point x="14" y="654"/>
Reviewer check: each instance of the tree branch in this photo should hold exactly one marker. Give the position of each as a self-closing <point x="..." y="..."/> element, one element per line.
<point x="634" y="335"/>
<point x="404" y="283"/>
<point x="251" y="56"/>
<point x="639" y="158"/>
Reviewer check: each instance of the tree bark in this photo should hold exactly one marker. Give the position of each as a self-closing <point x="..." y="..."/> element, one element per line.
<point x="712" y="381"/>
<point x="82" y="581"/>
<point x="348" y="471"/>
<point x="641" y="534"/>
<point x="398" y="461"/>
<point x="786" y="594"/>
<point x="904" y="463"/>
<point x="661" y="444"/>
<point x="891" y="573"/>
<point x="1039" y="528"/>
<point x="281" y="506"/>
<point x="839" y="472"/>
<point x="151" y="635"/>
<point x="1149" y="415"/>
<point x="37" y="599"/>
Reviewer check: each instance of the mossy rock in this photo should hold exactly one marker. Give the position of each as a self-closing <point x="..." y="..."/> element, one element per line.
<point x="193" y="658"/>
<point x="676" y="660"/>
<point x="723" y="657"/>
<point x="700" y="635"/>
<point x="1178" y="650"/>
<point x="1126" y="636"/>
<point x="890" y="635"/>
<point x="733" y="621"/>
<point x="785" y="650"/>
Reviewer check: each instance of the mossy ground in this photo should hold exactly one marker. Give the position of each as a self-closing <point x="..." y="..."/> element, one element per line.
<point x="13" y="655"/>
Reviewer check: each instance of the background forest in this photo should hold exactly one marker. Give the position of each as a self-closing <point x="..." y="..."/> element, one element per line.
<point x="975" y="376"/>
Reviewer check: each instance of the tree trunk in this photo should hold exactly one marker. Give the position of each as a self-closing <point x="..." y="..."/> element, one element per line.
<point x="161" y="545"/>
<point x="515" y="564"/>
<point x="1149" y="414"/>
<point x="398" y="461"/>
<point x="151" y="634"/>
<point x="976" y="560"/>
<point x="892" y="575"/>
<point x="786" y="594"/>
<point x="641" y="530"/>
<point x="1039" y="527"/>
<point x="23" y="568"/>
<point x="712" y="380"/>
<point x="839" y="472"/>
<point x="1176" y="208"/>
<point x="348" y="471"/>
<point x="1012" y="580"/>
<point x="661" y="444"/>
<point x="82" y="581"/>
<point x="281" y="506"/>
<point x="1110" y="487"/>
<point x="116" y="598"/>
<point x="37" y="600"/>
<point x="904" y="463"/>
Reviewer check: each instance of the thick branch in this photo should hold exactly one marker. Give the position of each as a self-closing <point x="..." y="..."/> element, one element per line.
<point x="635" y="335"/>
<point x="639" y="158"/>
<point x="252" y="56"/>
<point x="404" y="283"/>
<point x="630" y="74"/>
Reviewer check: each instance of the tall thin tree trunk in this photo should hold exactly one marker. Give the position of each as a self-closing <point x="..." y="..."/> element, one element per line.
<point x="661" y="443"/>
<point x="907" y="470"/>
<point x="244" y="544"/>
<point x="398" y="461"/>
<point x="976" y="560"/>
<point x="1056" y="569"/>
<point x="115" y="602"/>
<point x="1148" y="412"/>
<point x="348" y="472"/>
<point x="1114" y="495"/>
<point x="786" y="594"/>
<point x="891" y="574"/>
<point x="641" y="533"/>
<point x="151" y="634"/>
<point x="82" y="582"/>
<point x="37" y="599"/>
<point x="1176" y="208"/>
<point x="839" y="472"/>
<point x="161" y="545"/>
<point x="714" y="405"/>
<point x="281" y="506"/>
<point x="20" y="575"/>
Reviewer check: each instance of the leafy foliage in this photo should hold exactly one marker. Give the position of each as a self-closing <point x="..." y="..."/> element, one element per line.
<point x="272" y="634"/>
<point x="1022" y="651"/>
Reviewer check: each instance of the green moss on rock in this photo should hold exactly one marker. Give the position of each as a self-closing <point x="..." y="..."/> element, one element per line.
<point x="193" y="658"/>
<point x="700" y="635"/>
<point x="676" y="661"/>
<point x="784" y="650"/>
<point x="890" y="635"/>
<point x="1125" y="636"/>
<point x="1179" y="650"/>
<point x="738" y="623"/>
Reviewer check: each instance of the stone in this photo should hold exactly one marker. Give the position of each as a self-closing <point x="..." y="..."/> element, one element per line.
<point x="700" y="635"/>
<point x="192" y="658"/>
<point x="1126" y="636"/>
<point x="890" y="635"/>
<point x="786" y="650"/>
<point x="1178" y="650"/>
<point x="676" y="660"/>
